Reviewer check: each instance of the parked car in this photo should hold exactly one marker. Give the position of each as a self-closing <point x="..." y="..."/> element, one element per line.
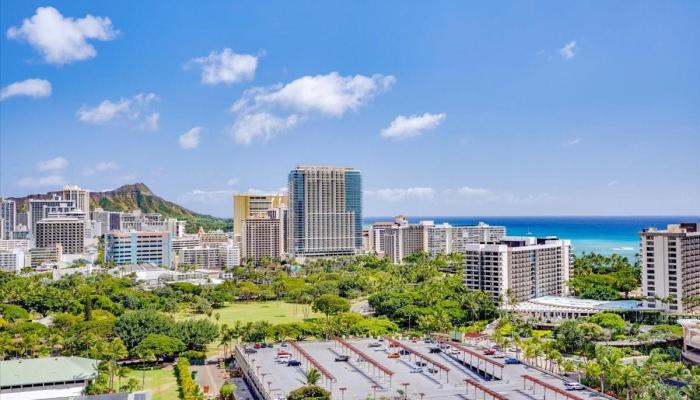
<point x="454" y="351"/>
<point x="283" y="353"/>
<point x="342" y="358"/>
<point x="248" y="350"/>
<point x="257" y="345"/>
<point x="432" y="370"/>
<point x="435" y="350"/>
<point x="489" y="352"/>
<point x="499" y="355"/>
<point x="421" y="364"/>
<point x="283" y="344"/>
<point x="511" y="360"/>
<point x="416" y="370"/>
<point x="404" y="352"/>
<point x="375" y="344"/>
<point x="429" y="340"/>
<point x="393" y="355"/>
<point x="568" y="385"/>
<point x="293" y="363"/>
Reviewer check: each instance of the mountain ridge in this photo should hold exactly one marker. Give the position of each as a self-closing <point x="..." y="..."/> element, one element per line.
<point x="138" y="196"/>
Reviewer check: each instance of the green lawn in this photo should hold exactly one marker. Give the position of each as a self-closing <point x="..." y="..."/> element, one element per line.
<point x="161" y="382"/>
<point x="274" y="312"/>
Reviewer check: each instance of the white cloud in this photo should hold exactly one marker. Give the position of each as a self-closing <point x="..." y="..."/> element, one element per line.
<point x="101" y="167"/>
<point x="190" y="139"/>
<point x="331" y="94"/>
<point x="403" y="127"/>
<point x="612" y="183"/>
<point x="134" y="108"/>
<point x="53" y="164"/>
<point x="261" y="125"/>
<point x="232" y="181"/>
<point x="62" y="40"/>
<point x="29" y="87"/>
<point x="150" y="122"/>
<point x="468" y="192"/>
<point x="572" y="142"/>
<point x="400" y="194"/>
<point x="568" y="51"/>
<point x="42" y="181"/>
<point x="226" y="67"/>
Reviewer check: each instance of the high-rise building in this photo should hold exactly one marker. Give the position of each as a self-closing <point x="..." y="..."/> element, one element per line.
<point x="8" y="215"/>
<point x="68" y="232"/>
<point x="671" y="266"/>
<point x="261" y="236"/>
<point x="81" y="198"/>
<point x="39" y="208"/>
<point x="139" y="248"/>
<point x="528" y="267"/>
<point x="403" y="239"/>
<point x="325" y="211"/>
<point x="247" y="204"/>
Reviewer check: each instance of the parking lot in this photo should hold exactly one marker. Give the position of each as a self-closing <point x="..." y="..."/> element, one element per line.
<point x="373" y="368"/>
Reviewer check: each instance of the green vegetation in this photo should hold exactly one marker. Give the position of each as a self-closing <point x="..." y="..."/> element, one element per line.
<point x="274" y="311"/>
<point x="187" y="389"/>
<point x="160" y="381"/>
<point x="599" y="277"/>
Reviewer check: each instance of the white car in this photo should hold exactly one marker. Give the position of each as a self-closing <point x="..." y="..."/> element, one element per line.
<point x="416" y="370"/>
<point x="573" y="386"/>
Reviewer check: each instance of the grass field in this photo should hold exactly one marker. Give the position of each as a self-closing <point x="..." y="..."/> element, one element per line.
<point x="161" y="382"/>
<point x="274" y="312"/>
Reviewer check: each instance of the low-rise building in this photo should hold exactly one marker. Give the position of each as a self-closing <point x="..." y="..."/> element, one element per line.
<point x="46" y="378"/>
<point x="39" y="256"/>
<point x="12" y="261"/>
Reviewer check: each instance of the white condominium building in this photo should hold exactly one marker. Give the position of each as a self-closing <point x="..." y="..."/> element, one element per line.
<point x="66" y="231"/>
<point x="446" y="239"/>
<point x="671" y="267"/>
<point x="81" y="198"/>
<point x="325" y="211"/>
<point x="12" y="261"/>
<point x="529" y="267"/>
<point x="210" y="257"/>
<point x="8" y="216"/>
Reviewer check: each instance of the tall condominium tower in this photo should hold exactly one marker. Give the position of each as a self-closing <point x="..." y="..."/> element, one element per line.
<point x="325" y="211"/>
<point x="671" y="267"/>
<point x="81" y="197"/>
<point x="247" y="204"/>
<point x="8" y="216"/>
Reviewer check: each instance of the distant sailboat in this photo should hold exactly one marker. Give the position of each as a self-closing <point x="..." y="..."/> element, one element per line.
<point x="528" y="231"/>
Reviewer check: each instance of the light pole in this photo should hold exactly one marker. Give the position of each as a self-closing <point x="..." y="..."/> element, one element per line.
<point x="405" y="389"/>
<point x="374" y="391"/>
<point x="342" y="392"/>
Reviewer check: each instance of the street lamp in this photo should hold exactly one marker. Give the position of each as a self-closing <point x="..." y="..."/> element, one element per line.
<point x="374" y="390"/>
<point x="405" y="389"/>
<point x="342" y="392"/>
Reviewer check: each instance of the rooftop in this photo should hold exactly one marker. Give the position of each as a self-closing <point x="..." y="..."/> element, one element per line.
<point x="369" y="371"/>
<point x="32" y="371"/>
<point x="574" y="303"/>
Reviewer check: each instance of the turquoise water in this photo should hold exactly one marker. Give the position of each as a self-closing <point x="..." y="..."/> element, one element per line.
<point x="605" y="235"/>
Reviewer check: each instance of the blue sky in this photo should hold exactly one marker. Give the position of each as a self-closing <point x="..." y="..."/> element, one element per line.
<point x="448" y="108"/>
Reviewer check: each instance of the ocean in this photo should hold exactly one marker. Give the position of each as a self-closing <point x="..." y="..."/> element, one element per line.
<point x="605" y="235"/>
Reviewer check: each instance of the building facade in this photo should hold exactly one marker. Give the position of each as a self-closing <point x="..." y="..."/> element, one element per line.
<point x="12" y="261"/>
<point x="670" y="261"/>
<point x="247" y="204"/>
<point x="39" y="256"/>
<point x="522" y="268"/>
<point x="39" y="208"/>
<point x="261" y="237"/>
<point x="325" y="211"/>
<point x="8" y="216"/>
<point x="68" y="232"/>
<point x="139" y="248"/>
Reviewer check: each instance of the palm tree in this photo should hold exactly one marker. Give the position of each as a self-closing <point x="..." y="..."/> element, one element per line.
<point x="312" y="376"/>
